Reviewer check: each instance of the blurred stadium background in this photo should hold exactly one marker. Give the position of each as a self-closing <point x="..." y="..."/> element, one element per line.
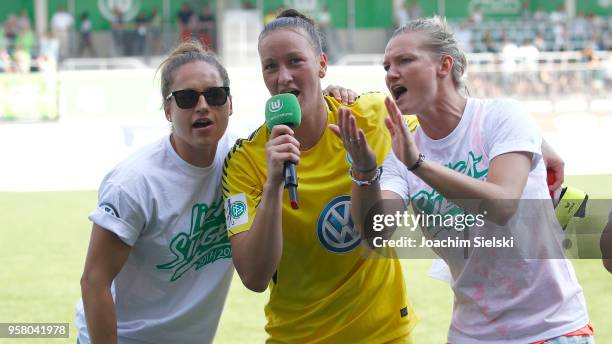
<point x="79" y="92"/>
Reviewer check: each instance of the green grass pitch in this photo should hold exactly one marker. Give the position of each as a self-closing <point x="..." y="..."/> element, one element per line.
<point x="44" y="239"/>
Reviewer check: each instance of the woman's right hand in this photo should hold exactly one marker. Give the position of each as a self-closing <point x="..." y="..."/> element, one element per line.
<point x="402" y="142"/>
<point x="281" y="147"/>
<point x="355" y="142"/>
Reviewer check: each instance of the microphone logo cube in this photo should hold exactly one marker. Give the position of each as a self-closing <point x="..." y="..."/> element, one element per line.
<point x="275" y="105"/>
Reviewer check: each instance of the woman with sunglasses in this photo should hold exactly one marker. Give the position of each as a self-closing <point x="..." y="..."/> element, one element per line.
<point x="159" y="263"/>
<point x="323" y="287"/>
<point x="477" y="157"/>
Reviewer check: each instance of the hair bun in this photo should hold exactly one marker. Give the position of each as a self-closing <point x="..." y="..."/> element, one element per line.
<point x="293" y="13"/>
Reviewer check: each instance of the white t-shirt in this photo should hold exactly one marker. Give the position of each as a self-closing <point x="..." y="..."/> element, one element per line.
<point x="501" y="296"/>
<point x="173" y="285"/>
<point x="61" y="21"/>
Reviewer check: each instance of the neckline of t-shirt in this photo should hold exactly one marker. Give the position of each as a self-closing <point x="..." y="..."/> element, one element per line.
<point x="184" y="165"/>
<point x="465" y="120"/>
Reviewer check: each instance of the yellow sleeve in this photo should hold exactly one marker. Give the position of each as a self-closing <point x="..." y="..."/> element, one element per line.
<point x="242" y="190"/>
<point x="411" y="121"/>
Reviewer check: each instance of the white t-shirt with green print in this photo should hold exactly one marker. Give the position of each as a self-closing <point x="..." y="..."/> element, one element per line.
<point x="500" y="296"/>
<point x="173" y="285"/>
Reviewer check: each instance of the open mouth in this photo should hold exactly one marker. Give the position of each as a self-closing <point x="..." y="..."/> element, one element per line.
<point x="201" y="123"/>
<point x="398" y="91"/>
<point x="296" y="93"/>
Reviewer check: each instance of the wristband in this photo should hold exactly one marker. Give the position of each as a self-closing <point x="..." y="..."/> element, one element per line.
<point x="418" y="163"/>
<point x="366" y="182"/>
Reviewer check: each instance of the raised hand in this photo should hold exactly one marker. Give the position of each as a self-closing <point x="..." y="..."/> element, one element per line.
<point x="281" y="147"/>
<point x="344" y="95"/>
<point x="403" y="144"/>
<point x="355" y="142"/>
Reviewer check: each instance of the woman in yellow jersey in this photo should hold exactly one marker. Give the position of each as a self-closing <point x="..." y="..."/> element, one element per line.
<point x="323" y="288"/>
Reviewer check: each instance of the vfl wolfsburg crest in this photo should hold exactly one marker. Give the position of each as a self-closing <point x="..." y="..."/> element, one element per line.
<point x="129" y="8"/>
<point x="275" y="105"/>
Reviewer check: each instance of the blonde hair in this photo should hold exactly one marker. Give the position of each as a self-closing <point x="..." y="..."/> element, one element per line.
<point x="441" y="41"/>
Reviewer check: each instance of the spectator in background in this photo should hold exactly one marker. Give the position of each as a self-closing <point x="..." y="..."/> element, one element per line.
<point x="558" y="16"/>
<point x="509" y="51"/>
<point x="464" y="37"/>
<point x="528" y="54"/>
<point x="400" y="14"/>
<point x="540" y="42"/>
<point x="560" y="42"/>
<point x="330" y="39"/>
<point x="85" y="42"/>
<point x="155" y="30"/>
<point x="247" y="5"/>
<point x="25" y="39"/>
<point x="48" y="54"/>
<point x="525" y="12"/>
<point x="118" y="27"/>
<point x="61" y="24"/>
<point x="23" y="21"/>
<point x="206" y="28"/>
<point x="414" y="10"/>
<point x="489" y="43"/>
<point x="5" y="61"/>
<point x="580" y="27"/>
<point x="10" y="32"/>
<point x="23" y="59"/>
<point x="141" y="24"/>
<point x="476" y="16"/>
<point x="2" y="38"/>
<point x="539" y="15"/>
<point x="185" y="18"/>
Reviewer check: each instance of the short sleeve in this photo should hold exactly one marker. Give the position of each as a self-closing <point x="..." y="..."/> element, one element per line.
<point x="394" y="177"/>
<point x="508" y="127"/>
<point x="118" y="212"/>
<point x="241" y="193"/>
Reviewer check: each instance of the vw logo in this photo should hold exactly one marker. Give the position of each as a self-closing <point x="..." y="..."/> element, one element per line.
<point x="275" y="105"/>
<point x="335" y="228"/>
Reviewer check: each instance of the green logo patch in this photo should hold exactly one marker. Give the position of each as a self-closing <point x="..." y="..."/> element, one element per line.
<point x="206" y="242"/>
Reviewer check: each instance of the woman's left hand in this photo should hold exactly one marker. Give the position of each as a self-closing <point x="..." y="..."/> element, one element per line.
<point x="344" y="95"/>
<point x="355" y="142"/>
<point x="403" y="144"/>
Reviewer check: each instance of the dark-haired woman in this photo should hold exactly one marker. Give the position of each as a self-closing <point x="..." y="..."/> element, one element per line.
<point x="159" y="264"/>
<point x="324" y="287"/>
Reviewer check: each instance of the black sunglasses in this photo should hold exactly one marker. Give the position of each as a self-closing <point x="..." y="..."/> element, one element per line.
<point x="187" y="99"/>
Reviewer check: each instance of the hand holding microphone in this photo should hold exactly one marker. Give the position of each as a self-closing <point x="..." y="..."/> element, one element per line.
<point x="283" y="114"/>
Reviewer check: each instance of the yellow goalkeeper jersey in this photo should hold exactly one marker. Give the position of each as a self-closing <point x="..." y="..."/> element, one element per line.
<point x="325" y="289"/>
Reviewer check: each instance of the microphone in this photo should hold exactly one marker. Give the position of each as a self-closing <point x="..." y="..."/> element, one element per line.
<point x="285" y="109"/>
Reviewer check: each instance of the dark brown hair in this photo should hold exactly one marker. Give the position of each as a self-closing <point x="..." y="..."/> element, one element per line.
<point x="294" y="19"/>
<point x="185" y="53"/>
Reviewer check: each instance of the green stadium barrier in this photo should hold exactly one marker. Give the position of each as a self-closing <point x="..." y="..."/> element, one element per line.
<point x="28" y="97"/>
